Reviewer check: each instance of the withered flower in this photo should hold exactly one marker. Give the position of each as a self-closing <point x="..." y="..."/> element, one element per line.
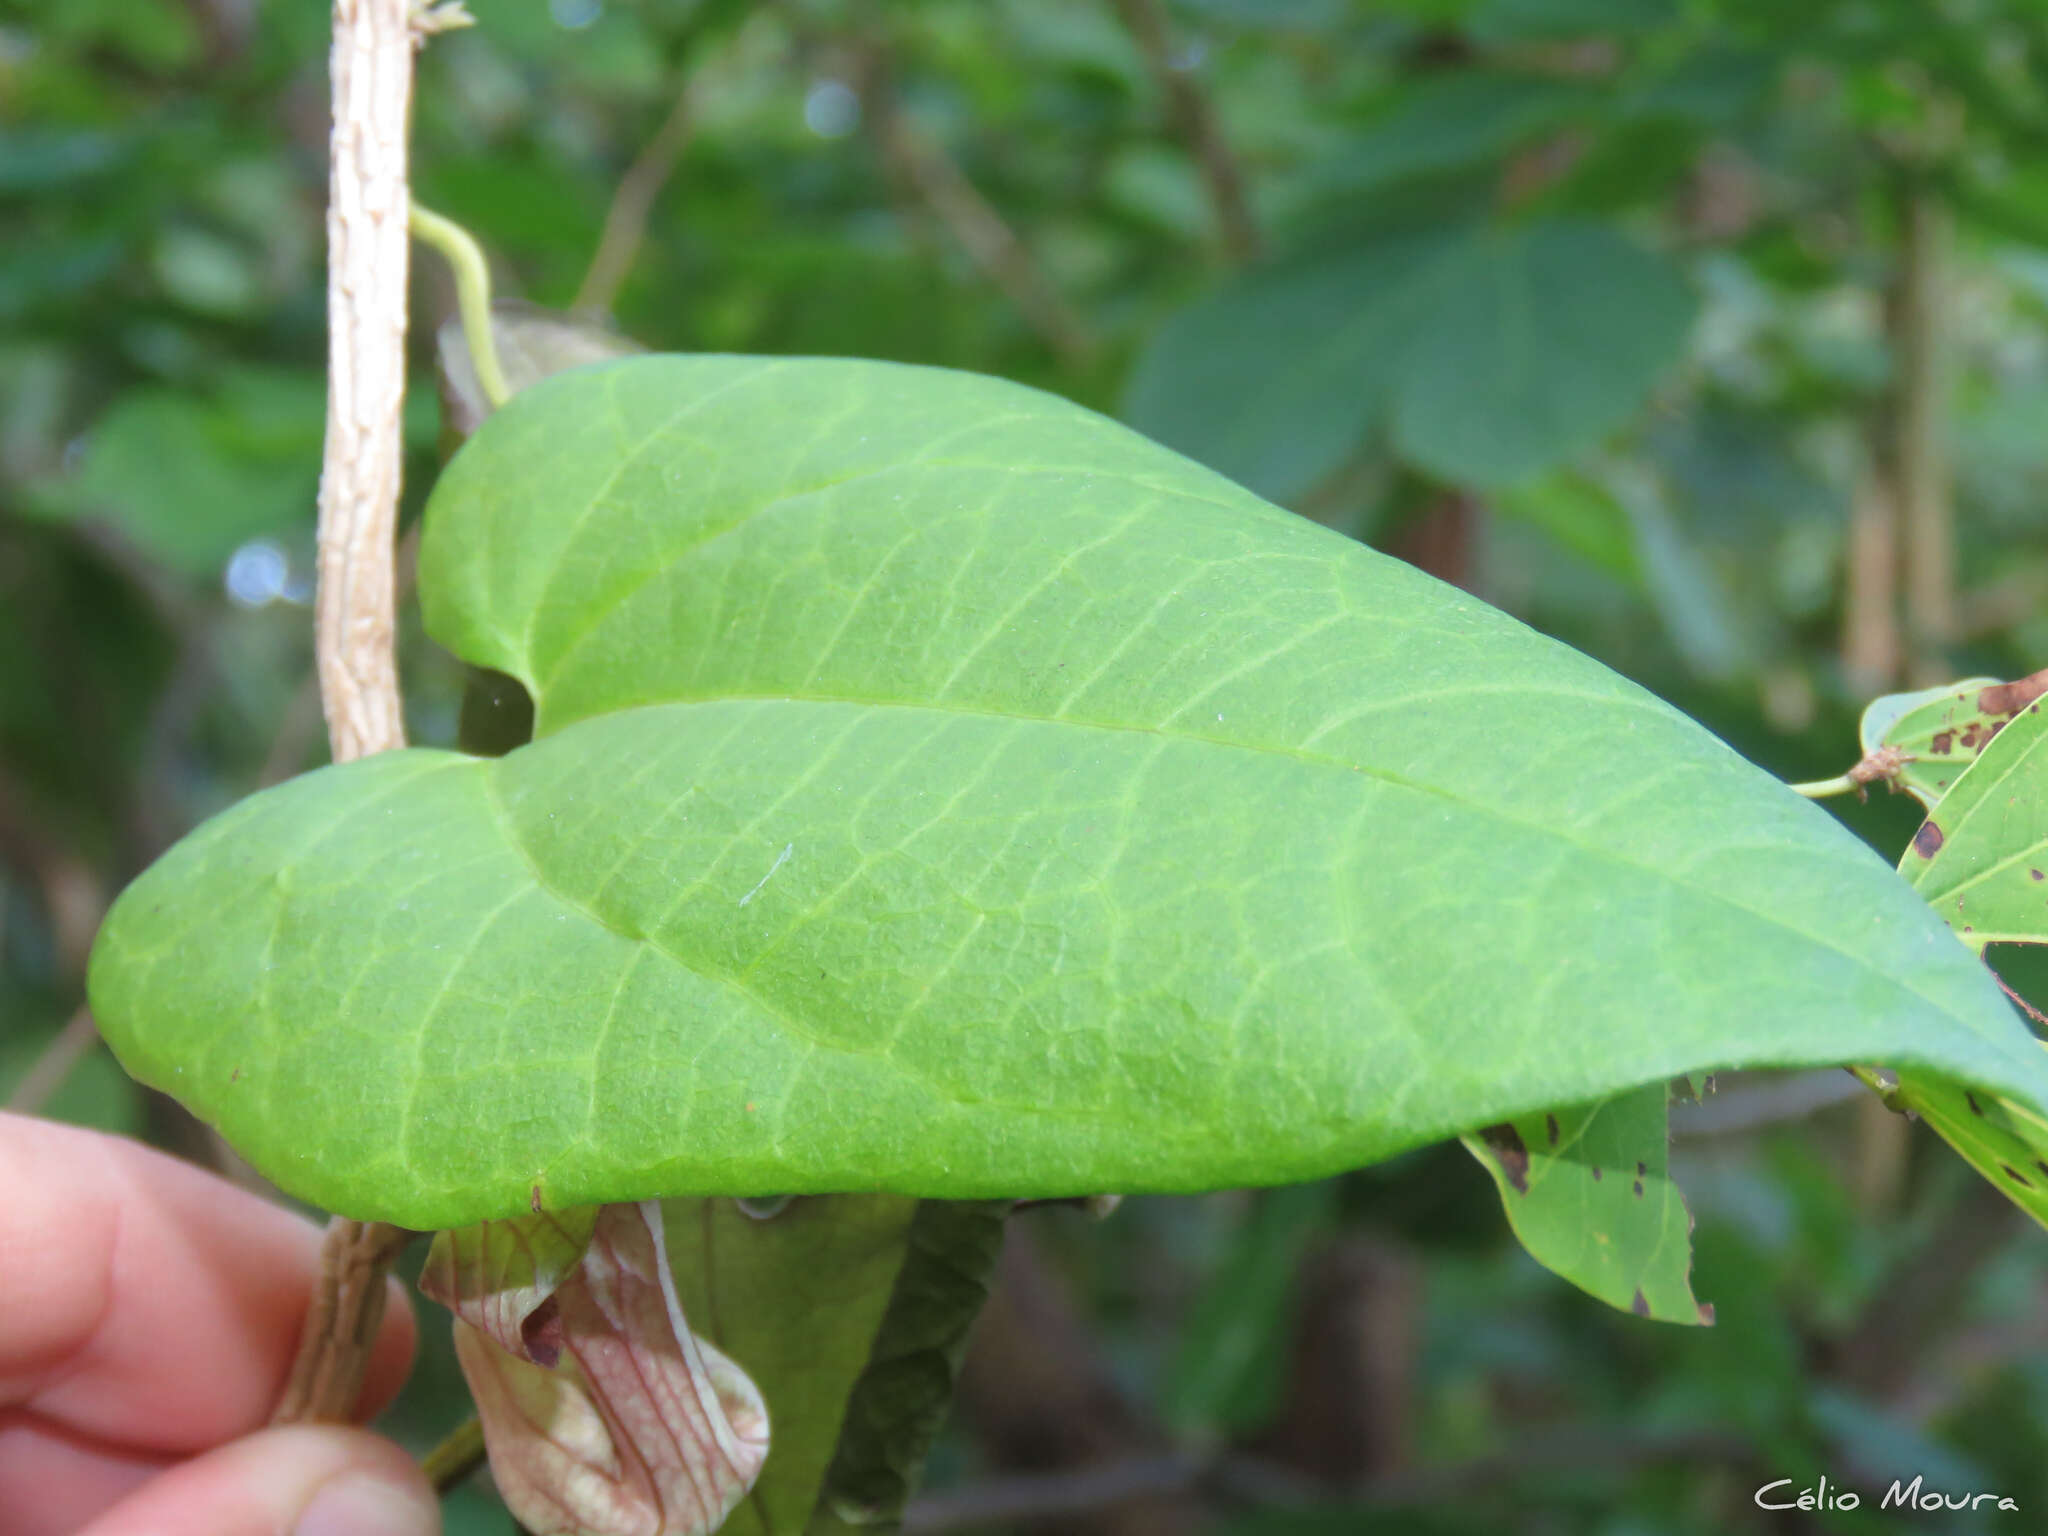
<point x="603" y="1414"/>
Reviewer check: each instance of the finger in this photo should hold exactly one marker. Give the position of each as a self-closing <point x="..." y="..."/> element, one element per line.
<point x="52" y="1482"/>
<point x="146" y="1303"/>
<point x="308" y="1480"/>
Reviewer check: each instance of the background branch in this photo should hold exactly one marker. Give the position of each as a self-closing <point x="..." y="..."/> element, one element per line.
<point x="625" y="221"/>
<point x="1195" y="121"/>
<point x="67" y="1048"/>
<point x="924" y="167"/>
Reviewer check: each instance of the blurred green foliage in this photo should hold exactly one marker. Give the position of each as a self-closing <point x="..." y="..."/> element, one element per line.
<point x="1602" y="308"/>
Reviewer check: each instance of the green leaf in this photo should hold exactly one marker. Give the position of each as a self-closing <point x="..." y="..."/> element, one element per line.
<point x="1582" y="515"/>
<point x="189" y="479"/>
<point x="896" y="1407"/>
<point x="1938" y="732"/>
<point x="1229" y="1373"/>
<point x="940" y="790"/>
<point x="1460" y="119"/>
<point x="1981" y="857"/>
<point x="796" y="1298"/>
<point x="2004" y="1141"/>
<point x="1588" y="1191"/>
<point x="1492" y="354"/>
<point x="1275" y="380"/>
<point x="1981" y="860"/>
<point x="1542" y="341"/>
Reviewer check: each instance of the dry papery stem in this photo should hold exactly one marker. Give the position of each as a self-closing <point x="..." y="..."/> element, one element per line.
<point x="355" y="614"/>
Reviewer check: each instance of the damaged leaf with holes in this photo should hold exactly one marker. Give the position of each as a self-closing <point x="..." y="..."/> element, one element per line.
<point x="1981" y="857"/>
<point x="1588" y="1190"/>
<point x="1921" y="742"/>
<point x="1981" y="860"/>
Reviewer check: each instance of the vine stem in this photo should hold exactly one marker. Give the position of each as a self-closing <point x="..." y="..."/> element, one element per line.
<point x="472" y="273"/>
<point x="355" y="611"/>
<point x="1821" y="789"/>
<point x="450" y="1462"/>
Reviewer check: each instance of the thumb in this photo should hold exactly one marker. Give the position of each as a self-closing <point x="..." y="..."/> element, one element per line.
<point x="305" y="1480"/>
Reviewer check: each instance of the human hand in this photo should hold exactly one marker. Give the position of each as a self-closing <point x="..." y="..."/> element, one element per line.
<point x="149" y="1313"/>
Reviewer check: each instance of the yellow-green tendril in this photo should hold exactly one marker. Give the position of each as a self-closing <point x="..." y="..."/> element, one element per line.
<point x="1820" y="789"/>
<point x="465" y="260"/>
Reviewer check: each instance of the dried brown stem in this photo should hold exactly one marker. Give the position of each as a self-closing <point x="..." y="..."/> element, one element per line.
<point x="1195" y="121"/>
<point x="341" y="1322"/>
<point x="625" y="222"/>
<point x="356" y="609"/>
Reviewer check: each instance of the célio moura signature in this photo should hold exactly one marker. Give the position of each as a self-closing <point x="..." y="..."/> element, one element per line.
<point x="1900" y="1495"/>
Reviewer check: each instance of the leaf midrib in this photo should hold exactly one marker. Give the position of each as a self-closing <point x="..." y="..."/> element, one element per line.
<point x="1321" y="760"/>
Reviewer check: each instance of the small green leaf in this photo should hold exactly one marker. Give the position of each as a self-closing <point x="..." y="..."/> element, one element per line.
<point x="1938" y="732"/>
<point x="1541" y="341"/>
<point x="1493" y="354"/>
<point x="896" y="1407"/>
<point x="1981" y="857"/>
<point x="189" y="479"/>
<point x="2004" y="1141"/>
<point x="1228" y="1374"/>
<point x="1445" y="123"/>
<point x="1588" y="1191"/>
<point x="796" y="1299"/>
<point x="1277" y="379"/>
<point x="1981" y="860"/>
<point x="1583" y="516"/>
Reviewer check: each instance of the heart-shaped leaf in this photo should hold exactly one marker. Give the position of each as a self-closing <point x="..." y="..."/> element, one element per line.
<point x="939" y="789"/>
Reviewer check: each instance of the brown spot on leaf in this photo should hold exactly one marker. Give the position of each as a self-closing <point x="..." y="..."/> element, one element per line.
<point x="1550" y="1121"/>
<point x="1641" y="1305"/>
<point x="1506" y="1143"/>
<point x="1970" y="1099"/>
<point x="1642" y="1169"/>
<point x="1706" y="1314"/>
<point x="1639" y="1189"/>
<point x="2035" y="873"/>
<point x="1596" y="1172"/>
<point x="1928" y="840"/>
<point x="2016" y="1176"/>
<point x="235" y="1076"/>
<point x="2011" y="698"/>
<point x="1944" y="742"/>
<point x="534" y="1199"/>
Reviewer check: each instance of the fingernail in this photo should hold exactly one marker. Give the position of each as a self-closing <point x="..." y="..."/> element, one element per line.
<point x="357" y="1504"/>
